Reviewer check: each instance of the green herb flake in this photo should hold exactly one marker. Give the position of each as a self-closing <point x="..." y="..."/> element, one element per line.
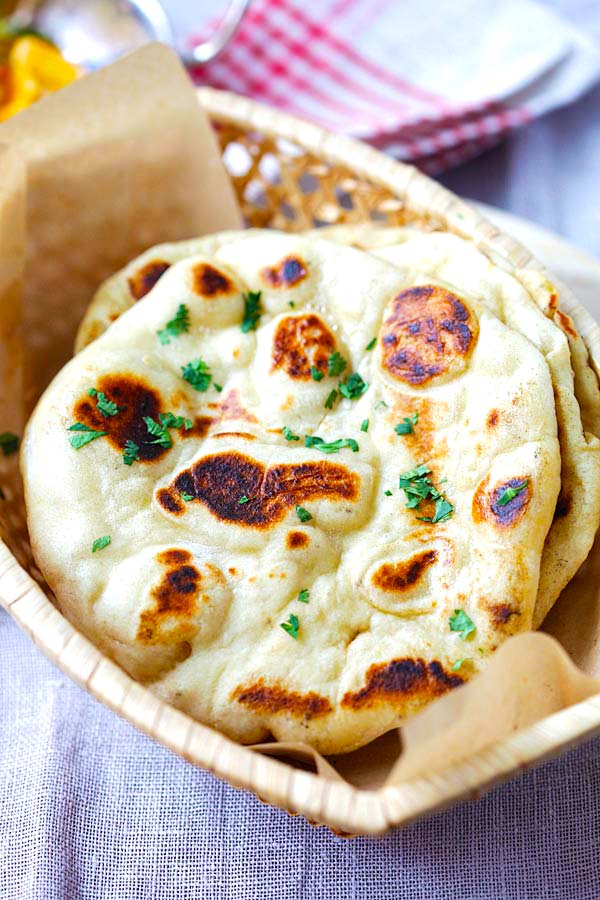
<point x="333" y="395"/>
<point x="371" y="344"/>
<point x="417" y="486"/>
<point x="336" y="364"/>
<point x="197" y="374"/>
<point x="217" y="387"/>
<point x="131" y="453"/>
<point x="333" y="446"/>
<point x="304" y="595"/>
<point x="100" y="543"/>
<point x="315" y="374"/>
<point x="291" y="304"/>
<point x="289" y="434"/>
<point x="353" y="387"/>
<point x="176" y="325"/>
<point x="459" y="621"/>
<point x="459" y="662"/>
<point x="443" y="511"/>
<point x="381" y="405"/>
<point x="9" y="443"/>
<point x="510" y="493"/>
<point x="364" y="425"/>
<point x="303" y="514"/>
<point x="252" y="310"/>
<point x="186" y="497"/>
<point x="84" y="435"/>
<point x="388" y="493"/>
<point x="105" y="406"/>
<point x="292" y="626"/>
<point x="243" y="499"/>
<point x="407" y="423"/>
<point x="160" y="431"/>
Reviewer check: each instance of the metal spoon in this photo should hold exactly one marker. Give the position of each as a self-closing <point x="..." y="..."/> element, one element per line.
<point x="92" y="33"/>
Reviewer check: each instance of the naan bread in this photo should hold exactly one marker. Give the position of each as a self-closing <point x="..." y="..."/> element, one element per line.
<point x="577" y="394"/>
<point x="211" y="546"/>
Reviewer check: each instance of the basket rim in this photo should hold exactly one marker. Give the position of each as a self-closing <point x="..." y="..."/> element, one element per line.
<point x="321" y="800"/>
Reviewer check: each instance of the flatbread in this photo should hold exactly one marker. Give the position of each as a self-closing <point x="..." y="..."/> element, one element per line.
<point x="210" y="547"/>
<point x="577" y="394"/>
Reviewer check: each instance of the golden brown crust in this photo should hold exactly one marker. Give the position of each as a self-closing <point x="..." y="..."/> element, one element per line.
<point x="273" y="698"/>
<point x="142" y="281"/>
<point x="175" y="601"/>
<point x="401" y="576"/>
<point x="400" y="678"/>
<point x="486" y="506"/>
<point x="287" y="273"/>
<point x="210" y="282"/>
<point x="301" y="343"/>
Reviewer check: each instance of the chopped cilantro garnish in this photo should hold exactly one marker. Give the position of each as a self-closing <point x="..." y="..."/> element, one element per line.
<point x="304" y="595"/>
<point x="510" y="493"/>
<point x="252" y="310"/>
<point x="417" y="486"/>
<point x="333" y="395"/>
<point x="336" y="364"/>
<point x="160" y="429"/>
<point x="388" y="493"/>
<point x="289" y="434"/>
<point x="176" y="325"/>
<point x="292" y="626"/>
<point x="197" y="374"/>
<point x="84" y="435"/>
<point x="291" y="304"/>
<point x="100" y="543"/>
<point x="459" y="662"/>
<point x="186" y="497"/>
<point x="315" y="374"/>
<point x="353" y="387"/>
<point x="364" y="425"/>
<point x="9" y="443"/>
<point x="406" y="425"/>
<point x="131" y="453"/>
<point x="333" y="446"/>
<point x="217" y="387"/>
<point x="371" y="344"/>
<point x="243" y="499"/>
<point x="303" y="514"/>
<point x="105" y="406"/>
<point x="461" y="622"/>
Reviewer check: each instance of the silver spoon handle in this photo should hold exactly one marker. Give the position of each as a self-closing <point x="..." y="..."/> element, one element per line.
<point x="217" y="42"/>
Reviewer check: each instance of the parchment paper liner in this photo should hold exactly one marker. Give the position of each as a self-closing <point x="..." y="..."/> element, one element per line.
<point x="531" y="678"/>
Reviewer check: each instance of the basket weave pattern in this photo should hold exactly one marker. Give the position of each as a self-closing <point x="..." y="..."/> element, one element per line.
<point x="292" y="175"/>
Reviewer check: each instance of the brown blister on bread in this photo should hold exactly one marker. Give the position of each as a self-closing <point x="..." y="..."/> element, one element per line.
<point x="170" y="619"/>
<point x="230" y="407"/>
<point x="210" y="282"/>
<point x="493" y="418"/>
<point x="399" y="679"/>
<point x="135" y="399"/>
<point x="295" y="540"/>
<point x="287" y="273"/>
<point x="300" y="343"/>
<point x="566" y="323"/>
<point x="428" y="334"/>
<point x="272" y="698"/>
<point x="402" y="576"/>
<point x="221" y="480"/>
<point x="563" y="505"/>
<point x="487" y="508"/>
<point x="142" y="281"/>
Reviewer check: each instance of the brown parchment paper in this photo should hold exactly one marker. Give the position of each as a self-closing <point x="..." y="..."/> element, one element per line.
<point x="114" y="164"/>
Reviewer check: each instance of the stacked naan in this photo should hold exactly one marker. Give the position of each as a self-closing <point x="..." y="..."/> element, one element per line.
<point x="302" y="485"/>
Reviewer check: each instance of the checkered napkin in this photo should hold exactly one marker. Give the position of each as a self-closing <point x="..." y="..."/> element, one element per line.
<point x="430" y="81"/>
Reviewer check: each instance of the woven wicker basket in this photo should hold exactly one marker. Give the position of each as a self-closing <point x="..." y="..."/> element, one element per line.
<point x="292" y="175"/>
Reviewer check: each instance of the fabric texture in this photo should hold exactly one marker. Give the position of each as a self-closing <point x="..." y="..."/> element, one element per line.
<point x="430" y="81"/>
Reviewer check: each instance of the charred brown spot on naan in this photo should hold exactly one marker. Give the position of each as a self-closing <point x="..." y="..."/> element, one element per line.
<point x="200" y="427"/>
<point x="238" y="434"/>
<point x="175" y="601"/>
<point x="209" y="282"/>
<point x="231" y="407"/>
<point x="220" y="480"/>
<point x="486" y="505"/>
<point x="272" y="698"/>
<point x="399" y="679"/>
<point x="301" y="343"/>
<point x="135" y="399"/>
<point x="429" y="334"/>
<point x="142" y="281"/>
<point x="402" y="576"/>
<point x="563" y="505"/>
<point x="566" y="323"/>
<point x="295" y="540"/>
<point x="502" y="613"/>
<point x="492" y="419"/>
<point x="287" y="273"/>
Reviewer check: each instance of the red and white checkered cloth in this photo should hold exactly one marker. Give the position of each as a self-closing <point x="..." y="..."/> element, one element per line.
<point x="430" y="81"/>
